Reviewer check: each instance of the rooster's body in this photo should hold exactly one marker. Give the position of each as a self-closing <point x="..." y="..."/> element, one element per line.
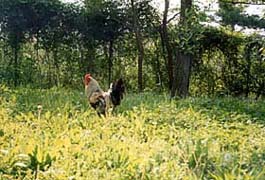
<point x="100" y="100"/>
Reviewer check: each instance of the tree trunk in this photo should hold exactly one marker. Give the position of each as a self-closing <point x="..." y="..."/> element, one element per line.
<point x="248" y="79"/>
<point x="37" y="47"/>
<point x="185" y="6"/>
<point x="140" y="47"/>
<point x="182" y="67"/>
<point x="39" y="59"/>
<point x="81" y="63"/>
<point x="57" y="67"/>
<point x="89" y="59"/>
<point x="110" y="60"/>
<point x="166" y="44"/>
<point x="16" y="66"/>
<point x="181" y="81"/>
<point x="157" y="66"/>
<point x="140" y="64"/>
<point x="49" y="73"/>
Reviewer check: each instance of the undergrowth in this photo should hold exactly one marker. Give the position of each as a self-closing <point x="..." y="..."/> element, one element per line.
<point x="54" y="134"/>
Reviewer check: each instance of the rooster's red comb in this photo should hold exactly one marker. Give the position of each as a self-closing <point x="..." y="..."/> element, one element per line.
<point x="87" y="79"/>
<point x="87" y="76"/>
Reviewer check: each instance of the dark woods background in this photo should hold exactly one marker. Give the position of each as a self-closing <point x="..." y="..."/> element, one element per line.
<point x="51" y="43"/>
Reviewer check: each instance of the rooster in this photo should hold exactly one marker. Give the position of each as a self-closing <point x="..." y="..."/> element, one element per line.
<point x="100" y="100"/>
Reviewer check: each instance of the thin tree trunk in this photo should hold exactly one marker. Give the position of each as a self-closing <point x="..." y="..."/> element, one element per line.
<point x="110" y="60"/>
<point x="140" y="47"/>
<point x="157" y="67"/>
<point x="3" y="53"/>
<point x="49" y="68"/>
<point x="39" y="61"/>
<point x="16" y="66"/>
<point x="37" y="47"/>
<point x="57" y="67"/>
<point x="89" y="59"/>
<point x="248" y="76"/>
<point x="81" y="59"/>
<point x="166" y="44"/>
<point x="140" y="64"/>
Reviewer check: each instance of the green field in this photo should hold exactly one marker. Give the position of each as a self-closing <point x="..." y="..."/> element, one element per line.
<point x="54" y="134"/>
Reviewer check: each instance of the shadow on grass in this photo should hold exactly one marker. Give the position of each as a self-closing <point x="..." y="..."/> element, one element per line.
<point x="225" y="109"/>
<point x="228" y="109"/>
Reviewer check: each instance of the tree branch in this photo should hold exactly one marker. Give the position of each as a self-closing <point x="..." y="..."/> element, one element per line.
<point x="173" y="17"/>
<point x="244" y="2"/>
<point x="3" y="38"/>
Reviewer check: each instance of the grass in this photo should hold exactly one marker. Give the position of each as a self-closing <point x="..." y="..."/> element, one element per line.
<point x="54" y="134"/>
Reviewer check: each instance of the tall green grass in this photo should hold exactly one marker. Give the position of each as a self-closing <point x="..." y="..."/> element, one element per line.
<point x="54" y="134"/>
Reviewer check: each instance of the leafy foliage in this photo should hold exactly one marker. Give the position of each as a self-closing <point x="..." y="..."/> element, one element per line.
<point x="188" y="41"/>
<point x="226" y="61"/>
<point x="233" y="14"/>
<point x="50" y="43"/>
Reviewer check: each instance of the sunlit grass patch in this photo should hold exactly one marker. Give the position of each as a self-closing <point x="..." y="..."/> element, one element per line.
<point x="54" y="134"/>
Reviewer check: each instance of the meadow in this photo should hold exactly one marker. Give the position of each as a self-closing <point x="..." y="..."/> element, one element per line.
<point x="54" y="134"/>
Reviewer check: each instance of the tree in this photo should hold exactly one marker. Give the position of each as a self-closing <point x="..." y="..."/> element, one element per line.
<point x="183" y="62"/>
<point x="107" y="23"/>
<point x="254" y="66"/>
<point x="22" y="20"/>
<point x="14" y="25"/>
<point x="139" y="42"/>
<point x="166" y="44"/>
<point x="257" y="2"/>
<point x="233" y="14"/>
<point x="230" y="13"/>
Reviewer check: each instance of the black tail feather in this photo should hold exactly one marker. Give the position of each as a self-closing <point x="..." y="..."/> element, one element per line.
<point x="117" y="92"/>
